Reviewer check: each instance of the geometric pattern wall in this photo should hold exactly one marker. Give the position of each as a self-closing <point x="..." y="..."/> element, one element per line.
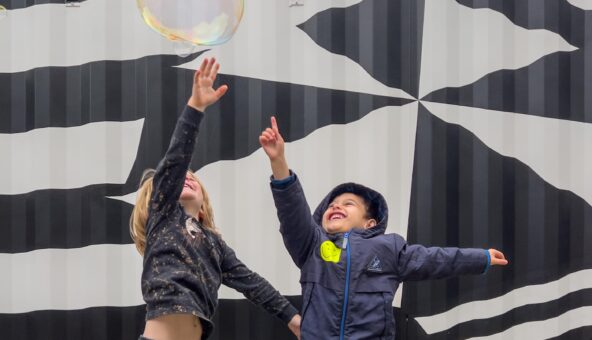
<point x="473" y="118"/>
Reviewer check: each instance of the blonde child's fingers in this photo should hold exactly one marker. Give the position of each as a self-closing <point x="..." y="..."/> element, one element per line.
<point x="196" y="75"/>
<point x="221" y="91"/>
<point x="209" y="67"/>
<point x="204" y="64"/>
<point x="215" y="73"/>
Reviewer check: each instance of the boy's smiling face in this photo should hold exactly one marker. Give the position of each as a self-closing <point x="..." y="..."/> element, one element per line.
<point x="345" y="212"/>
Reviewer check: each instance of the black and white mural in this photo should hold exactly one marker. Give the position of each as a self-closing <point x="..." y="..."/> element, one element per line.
<point x="472" y="117"/>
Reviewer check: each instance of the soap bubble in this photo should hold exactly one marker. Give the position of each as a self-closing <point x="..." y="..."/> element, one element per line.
<point x="184" y="48"/>
<point x="199" y="22"/>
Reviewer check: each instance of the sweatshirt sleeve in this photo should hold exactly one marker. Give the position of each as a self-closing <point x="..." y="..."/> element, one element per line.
<point x="171" y="171"/>
<point x="236" y="275"/>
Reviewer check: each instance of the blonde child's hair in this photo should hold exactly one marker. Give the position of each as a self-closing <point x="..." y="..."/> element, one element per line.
<point x="139" y="217"/>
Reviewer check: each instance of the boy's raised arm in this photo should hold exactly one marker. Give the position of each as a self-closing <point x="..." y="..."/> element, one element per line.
<point x="296" y="224"/>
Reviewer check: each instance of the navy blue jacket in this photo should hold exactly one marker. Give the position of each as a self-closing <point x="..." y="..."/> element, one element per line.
<point x="349" y="279"/>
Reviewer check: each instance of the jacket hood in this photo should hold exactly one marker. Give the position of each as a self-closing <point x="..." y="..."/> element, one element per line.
<point x="377" y="204"/>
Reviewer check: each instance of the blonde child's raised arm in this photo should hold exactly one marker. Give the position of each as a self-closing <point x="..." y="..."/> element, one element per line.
<point x="170" y="173"/>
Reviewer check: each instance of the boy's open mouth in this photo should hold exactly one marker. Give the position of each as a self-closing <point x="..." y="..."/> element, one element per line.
<point x="336" y="216"/>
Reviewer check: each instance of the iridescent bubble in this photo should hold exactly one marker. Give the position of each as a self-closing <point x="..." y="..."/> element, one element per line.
<point x="3" y="12"/>
<point x="184" y="48"/>
<point x="200" y="22"/>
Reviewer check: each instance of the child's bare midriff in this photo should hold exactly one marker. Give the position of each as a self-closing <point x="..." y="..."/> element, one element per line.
<point x="174" y="327"/>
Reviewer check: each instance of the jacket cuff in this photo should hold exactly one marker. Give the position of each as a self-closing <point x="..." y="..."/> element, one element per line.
<point x="283" y="183"/>
<point x="488" y="264"/>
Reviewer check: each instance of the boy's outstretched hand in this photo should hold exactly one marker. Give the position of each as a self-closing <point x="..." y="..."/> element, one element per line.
<point x="497" y="258"/>
<point x="203" y="93"/>
<point x="273" y="144"/>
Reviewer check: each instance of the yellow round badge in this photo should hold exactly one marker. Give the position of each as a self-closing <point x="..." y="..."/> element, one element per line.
<point x="330" y="252"/>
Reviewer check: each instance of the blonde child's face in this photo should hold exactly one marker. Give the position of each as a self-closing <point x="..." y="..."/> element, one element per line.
<point x="191" y="196"/>
<point x="345" y="212"/>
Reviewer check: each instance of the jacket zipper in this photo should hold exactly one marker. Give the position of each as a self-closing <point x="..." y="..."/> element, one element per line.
<point x="345" y="246"/>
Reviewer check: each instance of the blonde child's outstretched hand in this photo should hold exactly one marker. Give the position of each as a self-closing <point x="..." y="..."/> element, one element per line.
<point x="497" y="258"/>
<point x="203" y="93"/>
<point x="272" y="143"/>
<point x="294" y="325"/>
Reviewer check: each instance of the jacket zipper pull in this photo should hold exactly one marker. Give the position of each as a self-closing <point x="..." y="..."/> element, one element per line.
<point x="345" y="238"/>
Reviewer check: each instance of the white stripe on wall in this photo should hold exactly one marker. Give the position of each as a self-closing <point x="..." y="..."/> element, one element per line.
<point x="66" y="158"/>
<point x="518" y="297"/>
<point x="583" y="4"/>
<point x="461" y="45"/>
<point x="557" y="150"/>
<point x="546" y="329"/>
<point x="63" y="279"/>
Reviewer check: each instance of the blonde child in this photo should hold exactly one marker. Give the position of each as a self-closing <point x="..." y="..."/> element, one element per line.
<point x="185" y="258"/>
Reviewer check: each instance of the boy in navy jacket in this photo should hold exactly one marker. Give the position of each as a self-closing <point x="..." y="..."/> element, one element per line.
<point x="350" y="269"/>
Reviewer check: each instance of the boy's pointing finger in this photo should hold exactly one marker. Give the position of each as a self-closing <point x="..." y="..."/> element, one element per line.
<point x="274" y="125"/>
